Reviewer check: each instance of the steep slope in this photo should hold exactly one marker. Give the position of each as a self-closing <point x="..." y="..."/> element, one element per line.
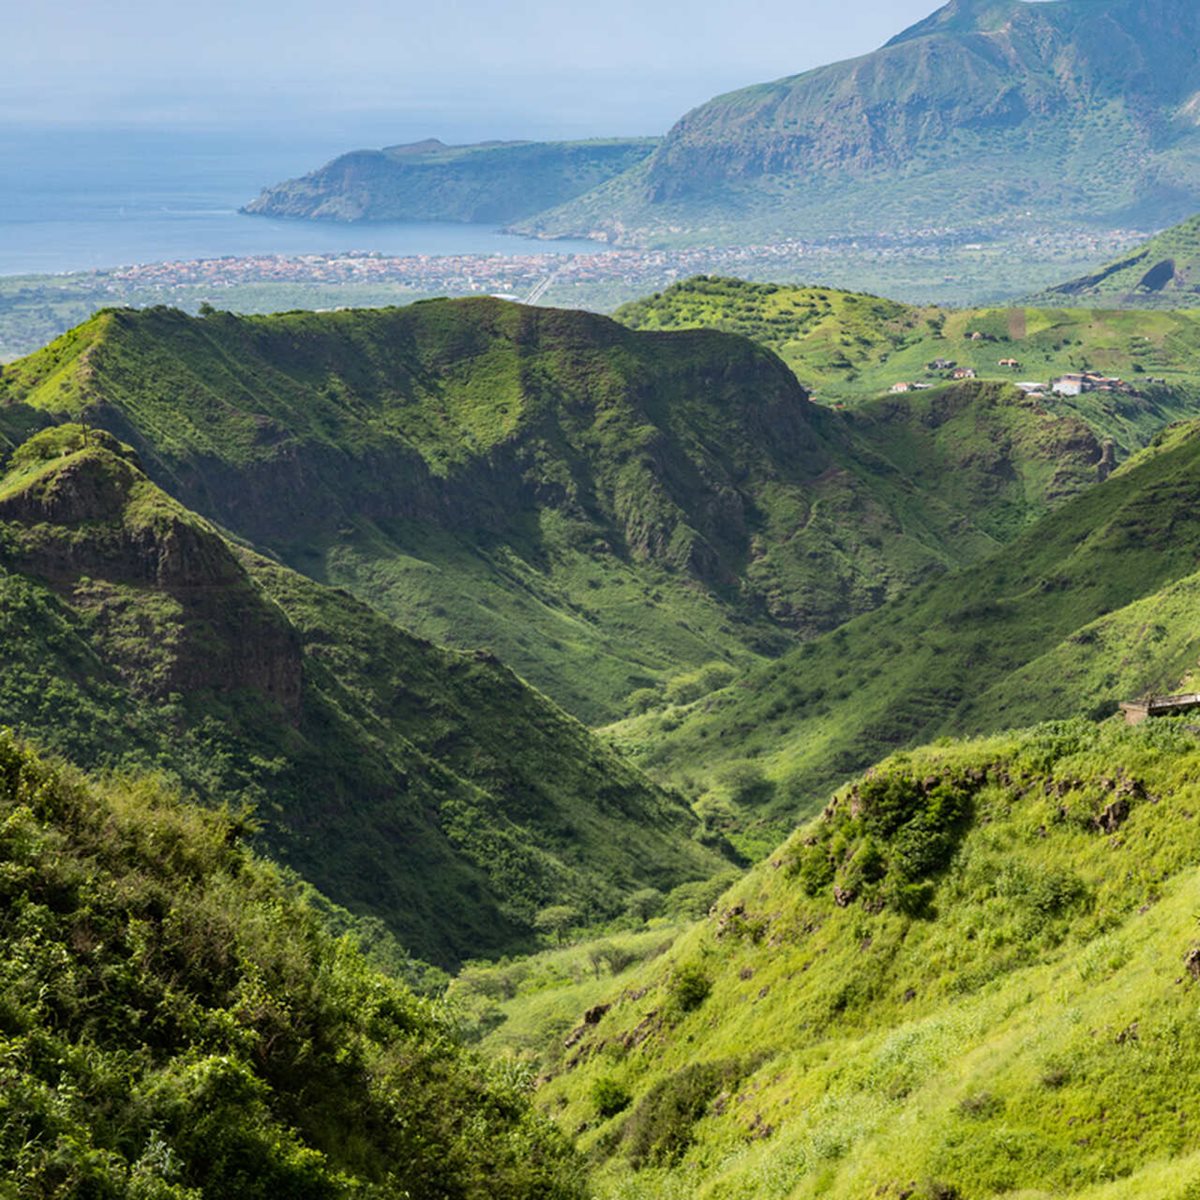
<point x="969" y="978"/>
<point x="431" y="789"/>
<point x="493" y="183"/>
<point x="604" y="509"/>
<point x="1086" y="608"/>
<point x="177" y="1025"/>
<point x="850" y="348"/>
<point x="1080" y="110"/>
<point x="1162" y="273"/>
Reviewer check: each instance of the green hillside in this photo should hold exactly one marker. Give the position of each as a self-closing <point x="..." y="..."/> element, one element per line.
<point x="494" y="182"/>
<point x="850" y="348"/>
<point x="972" y="977"/>
<point x="603" y="509"/>
<point x="1072" y="113"/>
<point x="1087" y="608"/>
<point x="1162" y="273"/>
<point x="176" y="1024"/>
<point x="428" y="788"/>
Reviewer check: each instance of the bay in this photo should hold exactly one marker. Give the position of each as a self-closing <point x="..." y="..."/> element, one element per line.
<point x="88" y="199"/>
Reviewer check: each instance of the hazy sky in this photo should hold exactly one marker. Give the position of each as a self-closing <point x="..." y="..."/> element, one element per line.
<point x="461" y="67"/>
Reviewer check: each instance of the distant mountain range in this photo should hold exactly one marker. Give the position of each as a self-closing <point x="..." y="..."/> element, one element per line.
<point x="1077" y="111"/>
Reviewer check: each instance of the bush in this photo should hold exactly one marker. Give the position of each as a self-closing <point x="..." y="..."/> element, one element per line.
<point x="609" y="1097"/>
<point x="660" y="1129"/>
<point x="688" y="989"/>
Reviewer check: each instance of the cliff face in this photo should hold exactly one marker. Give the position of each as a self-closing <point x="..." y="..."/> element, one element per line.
<point x="83" y="517"/>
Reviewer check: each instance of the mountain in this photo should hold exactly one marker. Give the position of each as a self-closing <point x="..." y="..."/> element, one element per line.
<point x="1079" y="111"/>
<point x="603" y="509"/>
<point x="432" y="790"/>
<point x="1090" y="606"/>
<point x="967" y="978"/>
<point x="177" y="1024"/>
<point x="1162" y="273"/>
<point x="850" y="349"/>
<point x="494" y="183"/>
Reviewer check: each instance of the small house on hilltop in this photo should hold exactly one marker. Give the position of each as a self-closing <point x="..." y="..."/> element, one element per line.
<point x="966" y="373"/>
<point x="898" y="389"/>
<point x="1011" y="363"/>
<point x="941" y="364"/>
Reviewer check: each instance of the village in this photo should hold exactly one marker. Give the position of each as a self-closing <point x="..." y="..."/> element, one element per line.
<point x="1072" y="383"/>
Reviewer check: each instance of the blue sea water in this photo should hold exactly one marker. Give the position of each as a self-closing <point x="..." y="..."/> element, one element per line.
<point x="77" y="200"/>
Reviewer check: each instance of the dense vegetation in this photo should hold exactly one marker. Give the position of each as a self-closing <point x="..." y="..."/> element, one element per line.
<point x="175" y="1024"/>
<point x="432" y="789"/>
<point x="603" y="509"/>
<point x="495" y="182"/>
<point x="1071" y="112"/>
<point x="972" y="977"/>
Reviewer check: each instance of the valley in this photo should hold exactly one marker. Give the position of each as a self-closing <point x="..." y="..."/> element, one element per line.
<point x="523" y="640"/>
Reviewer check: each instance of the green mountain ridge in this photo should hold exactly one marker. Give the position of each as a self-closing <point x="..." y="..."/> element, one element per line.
<point x="433" y="790"/>
<point x="494" y="182"/>
<point x="1087" y="608"/>
<point x="603" y="509"/>
<point x="850" y="349"/>
<point x="175" y="1024"/>
<point x="1164" y="272"/>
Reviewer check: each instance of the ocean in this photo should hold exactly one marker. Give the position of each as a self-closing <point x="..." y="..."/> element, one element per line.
<point x="79" y="200"/>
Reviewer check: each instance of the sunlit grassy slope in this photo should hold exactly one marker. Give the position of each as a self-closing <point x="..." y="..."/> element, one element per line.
<point x="974" y="976"/>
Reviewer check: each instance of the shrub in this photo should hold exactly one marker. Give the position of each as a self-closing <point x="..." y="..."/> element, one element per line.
<point x="609" y="1097"/>
<point x="661" y="1127"/>
<point x="688" y="989"/>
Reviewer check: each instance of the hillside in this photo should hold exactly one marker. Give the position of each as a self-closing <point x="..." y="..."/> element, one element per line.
<point x="603" y="509"/>
<point x="176" y="1024"/>
<point x="1162" y="273"/>
<point x="1086" y="608"/>
<point x="1078" y="111"/>
<point x="430" y="789"/>
<point x="849" y="348"/>
<point x="493" y="183"/>
<point x="969" y="978"/>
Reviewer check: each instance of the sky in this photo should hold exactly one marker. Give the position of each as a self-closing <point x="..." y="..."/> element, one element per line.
<point x="461" y="69"/>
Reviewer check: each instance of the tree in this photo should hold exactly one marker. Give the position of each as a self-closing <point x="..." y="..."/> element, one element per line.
<point x="556" y="920"/>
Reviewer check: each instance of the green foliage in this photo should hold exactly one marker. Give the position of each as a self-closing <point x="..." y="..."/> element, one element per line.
<point x="661" y="1128"/>
<point x="176" y="1024"/>
<point x="689" y="988"/>
<point x="609" y="1097"/>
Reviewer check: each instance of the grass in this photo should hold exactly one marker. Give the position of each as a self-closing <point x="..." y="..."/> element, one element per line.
<point x="1020" y="1034"/>
<point x="1075" y="615"/>
<point x="850" y="348"/>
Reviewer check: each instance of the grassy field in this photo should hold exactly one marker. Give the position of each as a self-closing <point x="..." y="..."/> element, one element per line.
<point x="849" y="348"/>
